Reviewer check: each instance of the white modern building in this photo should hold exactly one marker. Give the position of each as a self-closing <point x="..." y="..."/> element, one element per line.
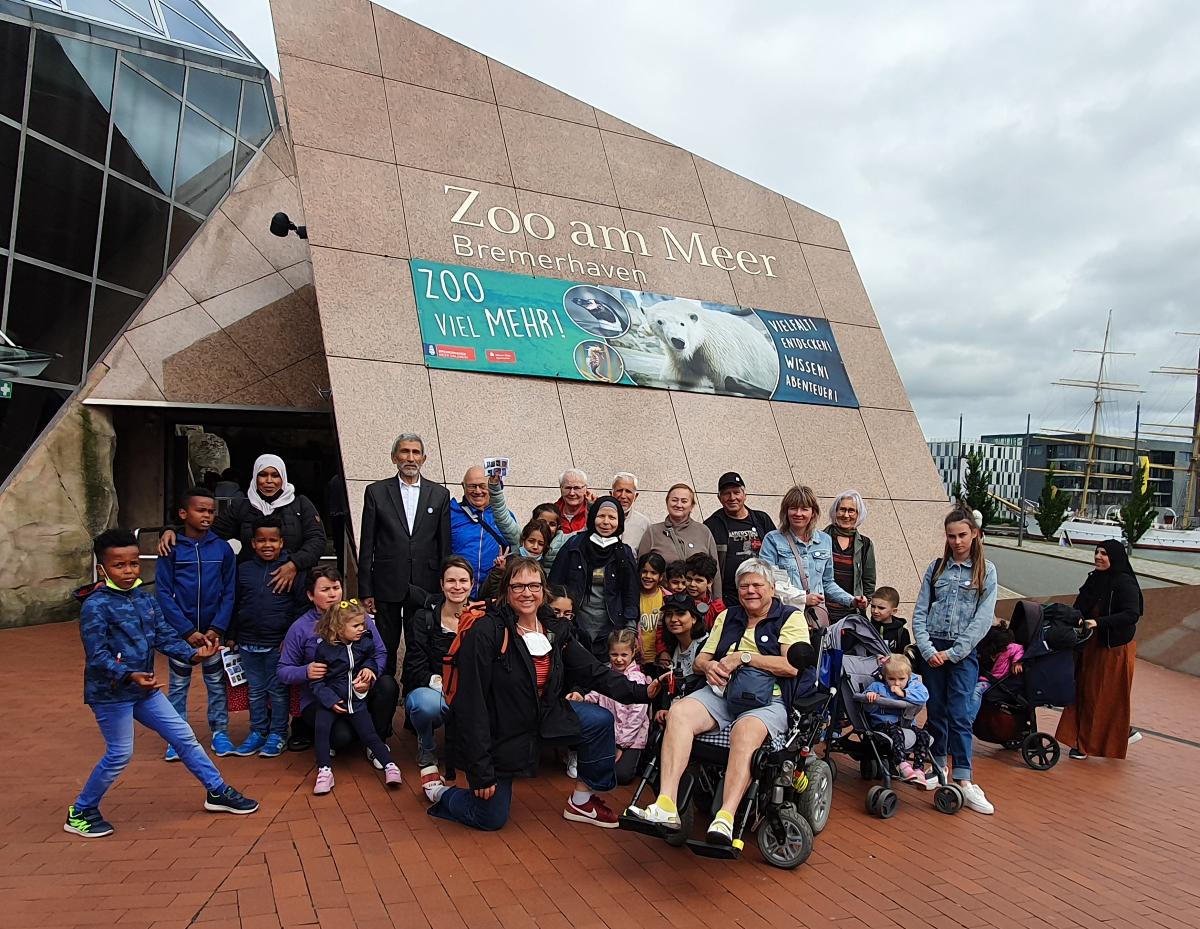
<point x="1002" y="461"/>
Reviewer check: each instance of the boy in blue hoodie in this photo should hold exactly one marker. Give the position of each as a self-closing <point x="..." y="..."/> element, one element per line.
<point x="121" y="626"/>
<point x="262" y="618"/>
<point x="195" y="586"/>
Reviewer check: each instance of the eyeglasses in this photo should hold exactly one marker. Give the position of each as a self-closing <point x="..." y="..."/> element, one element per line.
<point x="475" y="486"/>
<point x="573" y="487"/>
<point x="564" y="614"/>
<point x="533" y="588"/>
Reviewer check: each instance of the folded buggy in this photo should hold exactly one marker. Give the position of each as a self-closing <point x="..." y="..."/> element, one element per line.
<point x="1008" y="714"/>
<point x="852" y="653"/>
<point x="790" y="793"/>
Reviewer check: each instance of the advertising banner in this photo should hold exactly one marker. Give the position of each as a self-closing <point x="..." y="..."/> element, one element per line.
<point x="477" y="320"/>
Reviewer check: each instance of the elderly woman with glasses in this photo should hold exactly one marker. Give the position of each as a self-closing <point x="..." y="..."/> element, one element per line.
<point x="521" y="676"/>
<point x="853" y="553"/>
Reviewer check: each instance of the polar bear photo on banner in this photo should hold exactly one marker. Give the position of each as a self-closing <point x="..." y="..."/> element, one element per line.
<point x="708" y="349"/>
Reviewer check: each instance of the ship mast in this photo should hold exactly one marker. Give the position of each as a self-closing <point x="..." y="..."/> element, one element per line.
<point x="1192" y="508"/>
<point x="1099" y="386"/>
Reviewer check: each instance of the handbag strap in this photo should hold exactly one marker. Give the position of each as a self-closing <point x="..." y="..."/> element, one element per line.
<point x="799" y="561"/>
<point x="817" y="616"/>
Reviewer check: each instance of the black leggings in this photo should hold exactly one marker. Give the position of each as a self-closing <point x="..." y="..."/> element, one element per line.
<point x="360" y="722"/>
<point x="629" y="765"/>
<point x="920" y="749"/>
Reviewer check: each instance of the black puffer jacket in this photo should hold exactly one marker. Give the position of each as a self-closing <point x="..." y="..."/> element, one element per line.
<point x="1116" y="606"/>
<point x="303" y="532"/>
<point x="426" y="648"/>
<point x="499" y="721"/>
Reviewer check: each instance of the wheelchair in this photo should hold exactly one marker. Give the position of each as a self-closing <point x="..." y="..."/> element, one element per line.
<point x="788" y="800"/>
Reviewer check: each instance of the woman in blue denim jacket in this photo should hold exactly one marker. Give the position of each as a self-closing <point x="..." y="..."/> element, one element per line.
<point x="954" y="611"/>
<point x="798" y="534"/>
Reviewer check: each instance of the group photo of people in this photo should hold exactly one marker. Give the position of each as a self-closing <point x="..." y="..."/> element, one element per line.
<point x="473" y="646"/>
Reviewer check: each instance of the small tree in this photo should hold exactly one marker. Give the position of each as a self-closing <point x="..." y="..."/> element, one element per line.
<point x="1137" y="515"/>
<point x="1052" y="506"/>
<point x="978" y="479"/>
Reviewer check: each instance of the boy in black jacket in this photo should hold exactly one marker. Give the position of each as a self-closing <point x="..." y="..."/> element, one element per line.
<point x="261" y="620"/>
<point x="893" y="628"/>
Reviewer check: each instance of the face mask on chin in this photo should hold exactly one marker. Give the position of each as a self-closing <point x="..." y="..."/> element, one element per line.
<point x="602" y="541"/>
<point x="536" y="644"/>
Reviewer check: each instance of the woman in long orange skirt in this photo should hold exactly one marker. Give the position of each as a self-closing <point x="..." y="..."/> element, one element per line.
<point x="1111" y="603"/>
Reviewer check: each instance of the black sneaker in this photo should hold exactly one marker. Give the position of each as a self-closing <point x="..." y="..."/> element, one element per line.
<point x="228" y="800"/>
<point x="1077" y="754"/>
<point x="87" y="823"/>
<point x="299" y="743"/>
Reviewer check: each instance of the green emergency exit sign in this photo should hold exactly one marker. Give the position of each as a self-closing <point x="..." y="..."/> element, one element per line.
<point x="5" y="390"/>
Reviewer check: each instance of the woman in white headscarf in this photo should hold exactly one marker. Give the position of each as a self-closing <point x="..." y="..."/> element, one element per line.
<point x="853" y="553"/>
<point x="270" y="494"/>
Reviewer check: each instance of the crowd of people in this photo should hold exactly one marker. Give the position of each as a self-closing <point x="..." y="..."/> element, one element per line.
<point x="563" y="630"/>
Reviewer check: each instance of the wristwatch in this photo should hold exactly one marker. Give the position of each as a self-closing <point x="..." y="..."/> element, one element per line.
<point x="745" y="658"/>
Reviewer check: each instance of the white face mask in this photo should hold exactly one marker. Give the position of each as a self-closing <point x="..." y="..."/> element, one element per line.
<point x="536" y="644"/>
<point x="603" y="541"/>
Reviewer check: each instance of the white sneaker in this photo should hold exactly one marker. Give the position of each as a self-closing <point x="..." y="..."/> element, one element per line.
<point x="656" y="815"/>
<point x="572" y="764"/>
<point x="1135" y="735"/>
<point x="973" y="798"/>
<point x="375" y="761"/>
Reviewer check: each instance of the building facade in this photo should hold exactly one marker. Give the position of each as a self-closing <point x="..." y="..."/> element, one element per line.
<point x="1002" y="460"/>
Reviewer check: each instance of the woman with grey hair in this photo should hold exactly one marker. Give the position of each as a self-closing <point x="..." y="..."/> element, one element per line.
<point x="853" y="553"/>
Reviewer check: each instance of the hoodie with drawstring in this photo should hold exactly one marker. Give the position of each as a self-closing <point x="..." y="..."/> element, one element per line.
<point x="196" y="584"/>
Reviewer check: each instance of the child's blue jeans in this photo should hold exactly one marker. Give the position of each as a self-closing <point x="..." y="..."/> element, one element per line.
<point x="951" y="709"/>
<point x="260" y="663"/>
<point x="426" y="709"/>
<point x="116" y="725"/>
<point x="180" y="677"/>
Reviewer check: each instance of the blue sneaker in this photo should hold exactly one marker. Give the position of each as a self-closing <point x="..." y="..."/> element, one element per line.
<point x="221" y="746"/>
<point x="254" y="741"/>
<point x="273" y="747"/>
<point x="171" y="754"/>
<point x="87" y="823"/>
<point x="228" y="800"/>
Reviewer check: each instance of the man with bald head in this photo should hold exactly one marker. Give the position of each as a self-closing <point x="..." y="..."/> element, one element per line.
<point x="473" y="532"/>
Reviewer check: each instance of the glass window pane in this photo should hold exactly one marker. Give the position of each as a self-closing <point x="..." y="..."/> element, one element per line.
<point x="141" y="7"/>
<point x="10" y="143"/>
<point x="145" y="129"/>
<point x="183" y="226"/>
<point x="205" y="163"/>
<point x="48" y="312"/>
<point x="110" y="12"/>
<point x="14" y="56"/>
<point x="71" y="92"/>
<point x="215" y="94"/>
<point x="134" y="237"/>
<point x="200" y="17"/>
<point x="22" y="420"/>
<point x="256" y="125"/>
<point x="60" y="205"/>
<point x="185" y="31"/>
<point x="111" y="310"/>
<point x="244" y="154"/>
<point x="165" y="72"/>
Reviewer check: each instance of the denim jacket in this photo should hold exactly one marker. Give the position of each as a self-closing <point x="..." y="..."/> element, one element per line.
<point x="818" y="563"/>
<point x="951" y="609"/>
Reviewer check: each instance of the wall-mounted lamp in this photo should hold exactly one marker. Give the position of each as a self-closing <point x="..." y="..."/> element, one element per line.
<point x="281" y="225"/>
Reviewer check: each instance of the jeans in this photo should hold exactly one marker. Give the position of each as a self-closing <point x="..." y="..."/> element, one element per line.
<point x="214" y="682"/>
<point x="977" y="698"/>
<point x="426" y="709"/>
<point x="116" y="725"/>
<point x="597" y="746"/>
<point x="950" y="709"/>
<point x="259" y="662"/>
<point x="460" y="805"/>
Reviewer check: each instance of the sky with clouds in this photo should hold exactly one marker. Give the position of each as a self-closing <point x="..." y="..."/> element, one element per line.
<point x="1005" y="174"/>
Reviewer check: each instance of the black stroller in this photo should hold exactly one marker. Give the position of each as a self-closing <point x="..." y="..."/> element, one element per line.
<point x="1008" y="714"/>
<point x="857" y="644"/>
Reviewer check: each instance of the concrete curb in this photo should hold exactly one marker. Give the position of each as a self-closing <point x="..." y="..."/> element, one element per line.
<point x="1014" y="547"/>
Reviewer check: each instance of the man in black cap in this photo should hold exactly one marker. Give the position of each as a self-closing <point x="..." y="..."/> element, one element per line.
<point x="737" y="530"/>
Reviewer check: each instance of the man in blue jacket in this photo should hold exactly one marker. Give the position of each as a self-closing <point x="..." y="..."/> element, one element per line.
<point x="122" y="626"/>
<point x="473" y="532"/>
<point x="195" y="586"/>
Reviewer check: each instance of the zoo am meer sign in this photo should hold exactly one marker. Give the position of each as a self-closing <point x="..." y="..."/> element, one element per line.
<point x="477" y="320"/>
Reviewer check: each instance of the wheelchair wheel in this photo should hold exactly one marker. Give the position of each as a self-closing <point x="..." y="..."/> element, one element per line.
<point x="948" y="799"/>
<point x="687" y="819"/>
<point x="787" y="841"/>
<point x="833" y="768"/>
<point x="1040" y="751"/>
<point x="814" y="804"/>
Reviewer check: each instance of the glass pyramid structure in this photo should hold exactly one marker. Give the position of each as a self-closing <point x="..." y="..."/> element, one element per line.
<point x="182" y="21"/>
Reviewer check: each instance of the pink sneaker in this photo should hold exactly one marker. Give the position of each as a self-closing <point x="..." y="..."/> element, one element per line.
<point x="391" y="775"/>
<point x="912" y="775"/>
<point x="324" y="781"/>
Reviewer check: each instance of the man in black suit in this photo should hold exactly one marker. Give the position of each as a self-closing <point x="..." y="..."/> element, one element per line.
<point x="405" y="538"/>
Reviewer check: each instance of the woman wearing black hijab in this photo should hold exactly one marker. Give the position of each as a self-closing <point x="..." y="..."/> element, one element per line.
<point x="600" y="573"/>
<point x="1111" y="603"/>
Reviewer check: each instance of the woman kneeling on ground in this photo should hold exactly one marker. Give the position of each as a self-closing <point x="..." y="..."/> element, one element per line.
<point x="516" y="667"/>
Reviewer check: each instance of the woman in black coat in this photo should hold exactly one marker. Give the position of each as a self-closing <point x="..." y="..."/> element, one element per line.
<point x="516" y="668"/>
<point x="600" y="573"/>
<point x="1111" y="603"/>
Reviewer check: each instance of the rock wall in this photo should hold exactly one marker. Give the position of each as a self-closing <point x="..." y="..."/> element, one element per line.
<point x="55" y="504"/>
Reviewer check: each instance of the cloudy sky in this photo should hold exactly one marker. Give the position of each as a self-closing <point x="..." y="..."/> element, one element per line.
<point x="1005" y="173"/>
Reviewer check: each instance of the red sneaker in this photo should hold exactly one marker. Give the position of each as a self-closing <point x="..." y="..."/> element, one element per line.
<point x="595" y="813"/>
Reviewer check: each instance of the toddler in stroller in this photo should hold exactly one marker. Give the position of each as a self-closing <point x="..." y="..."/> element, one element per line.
<point x="899" y="684"/>
<point x="1048" y="636"/>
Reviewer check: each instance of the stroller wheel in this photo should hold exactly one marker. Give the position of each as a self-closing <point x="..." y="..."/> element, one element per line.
<point x="817" y="798"/>
<point x="1040" y="751"/>
<point x="687" y="819"/>
<point x="948" y="799"/>
<point x="886" y="803"/>
<point x="785" y="839"/>
<point x="868" y="769"/>
<point x="873" y="798"/>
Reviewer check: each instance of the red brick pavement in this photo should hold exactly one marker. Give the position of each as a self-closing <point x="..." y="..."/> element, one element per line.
<point x="1097" y="843"/>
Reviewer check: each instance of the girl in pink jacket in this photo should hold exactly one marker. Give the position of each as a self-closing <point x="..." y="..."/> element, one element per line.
<point x="632" y="720"/>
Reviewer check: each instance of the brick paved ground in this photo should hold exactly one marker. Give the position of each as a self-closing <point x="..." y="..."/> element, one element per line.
<point x="1088" y="844"/>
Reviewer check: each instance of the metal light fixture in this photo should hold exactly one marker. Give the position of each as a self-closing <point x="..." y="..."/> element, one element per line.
<point x="281" y="225"/>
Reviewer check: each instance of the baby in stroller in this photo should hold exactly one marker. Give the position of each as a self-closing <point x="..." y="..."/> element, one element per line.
<point x="899" y="725"/>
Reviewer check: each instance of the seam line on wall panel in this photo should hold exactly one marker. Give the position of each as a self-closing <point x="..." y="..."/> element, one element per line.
<point x="712" y="222"/>
<point x="683" y="445"/>
<point x="566" y="429"/>
<point x="395" y="157"/>
<point x="436" y="431"/>
<point x="918" y="571"/>
<point x="783" y="445"/>
<point x="487" y="63"/>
